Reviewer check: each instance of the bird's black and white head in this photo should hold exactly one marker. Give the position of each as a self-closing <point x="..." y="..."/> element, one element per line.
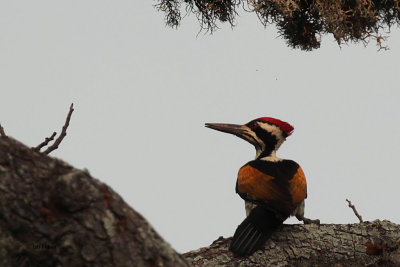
<point x="266" y="134"/>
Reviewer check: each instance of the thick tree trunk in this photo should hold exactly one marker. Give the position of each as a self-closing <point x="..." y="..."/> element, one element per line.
<point x="54" y="215"/>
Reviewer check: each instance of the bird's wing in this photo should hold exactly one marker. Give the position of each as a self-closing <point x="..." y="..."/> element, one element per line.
<point x="277" y="185"/>
<point x="298" y="186"/>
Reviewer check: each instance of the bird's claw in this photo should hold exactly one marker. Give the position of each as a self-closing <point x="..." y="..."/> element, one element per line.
<point x="310" y="221"/>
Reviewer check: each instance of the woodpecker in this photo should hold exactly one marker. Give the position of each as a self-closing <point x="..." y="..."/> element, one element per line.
<point x="273" y="188"/>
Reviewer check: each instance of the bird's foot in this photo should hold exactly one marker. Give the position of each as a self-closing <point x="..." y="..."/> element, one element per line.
<point x="310" y="221"/>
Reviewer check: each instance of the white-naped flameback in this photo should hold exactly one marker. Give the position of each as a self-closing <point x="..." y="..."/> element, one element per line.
<point x="273" y="188"/>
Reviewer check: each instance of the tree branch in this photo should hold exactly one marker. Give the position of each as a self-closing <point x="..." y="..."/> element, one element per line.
<point x="55" y="145"/>
<point x="374" y="242"/>
<point x="355" y="211"/>
<point x="44" y="143"/>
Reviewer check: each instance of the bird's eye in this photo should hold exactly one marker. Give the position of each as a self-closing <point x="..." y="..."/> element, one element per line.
<point x="253" y="125"/>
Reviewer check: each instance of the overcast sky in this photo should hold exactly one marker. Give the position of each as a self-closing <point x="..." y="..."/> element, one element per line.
<point x="142" y="93"/>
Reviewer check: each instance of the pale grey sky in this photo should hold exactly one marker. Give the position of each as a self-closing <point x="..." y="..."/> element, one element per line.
<point x="142" y="93"/>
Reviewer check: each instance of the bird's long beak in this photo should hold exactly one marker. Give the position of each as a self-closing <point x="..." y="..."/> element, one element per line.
<point x="241" y="131"/>
<point x="238" y="130"/>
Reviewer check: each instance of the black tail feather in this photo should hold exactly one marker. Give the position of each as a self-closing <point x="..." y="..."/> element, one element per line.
<point x="252" y="233"/>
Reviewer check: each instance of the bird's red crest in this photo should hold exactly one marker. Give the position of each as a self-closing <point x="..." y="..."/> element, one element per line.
<point x="284" y="126"/>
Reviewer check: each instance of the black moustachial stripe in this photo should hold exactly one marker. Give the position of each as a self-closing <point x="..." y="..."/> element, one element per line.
<point x="267" y="138"/>
<point x="269" y="141"/>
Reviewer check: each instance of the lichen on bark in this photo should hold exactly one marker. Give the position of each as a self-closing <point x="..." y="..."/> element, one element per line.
<point x="52" y="214"/>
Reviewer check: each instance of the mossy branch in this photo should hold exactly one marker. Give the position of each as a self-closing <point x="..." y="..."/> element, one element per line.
<point x="300" y="22"/>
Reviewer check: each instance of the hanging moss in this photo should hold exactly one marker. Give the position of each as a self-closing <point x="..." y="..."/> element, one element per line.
<point x="300" y="22"/>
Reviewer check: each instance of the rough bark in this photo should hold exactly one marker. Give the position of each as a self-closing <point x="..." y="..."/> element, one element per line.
<point x="52" y="214"/>
<point x="365" y="244"/>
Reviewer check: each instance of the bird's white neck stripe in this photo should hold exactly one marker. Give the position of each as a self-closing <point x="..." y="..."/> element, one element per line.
<point x="272" y="157"/>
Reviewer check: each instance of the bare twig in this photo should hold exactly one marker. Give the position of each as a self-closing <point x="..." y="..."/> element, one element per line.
<point x="45" y="142"/>
<point x="2" y="133"/>
<point x="355" y="211"/>
<point x="54" y="146"/>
